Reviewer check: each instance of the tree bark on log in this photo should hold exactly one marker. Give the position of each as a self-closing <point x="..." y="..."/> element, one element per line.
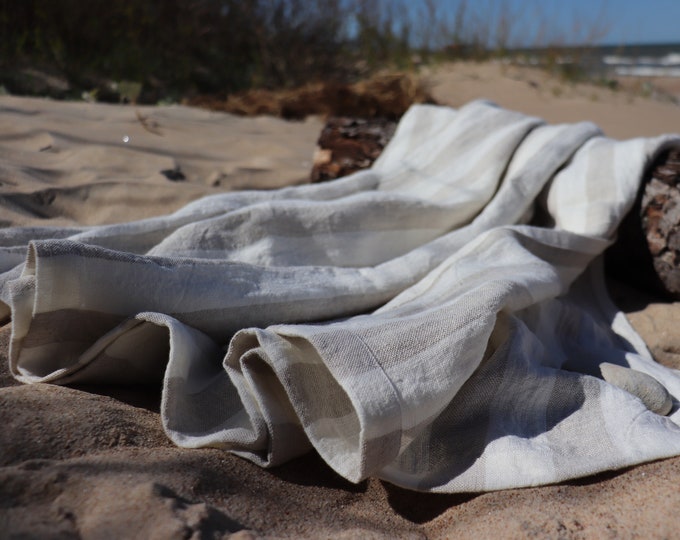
<point x="349" y="144"/>
<point x="646" y="254"/>
<point x="661" y="220"/>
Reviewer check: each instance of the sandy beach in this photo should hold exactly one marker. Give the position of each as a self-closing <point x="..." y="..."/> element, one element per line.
<point x="94" y="462"/>
<point x="536" y="92"/>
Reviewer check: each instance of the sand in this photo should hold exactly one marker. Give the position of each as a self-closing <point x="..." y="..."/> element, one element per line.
<point x="622" y="114"/>
<point x="80" y="163"/>
<point x="95" y="463"/>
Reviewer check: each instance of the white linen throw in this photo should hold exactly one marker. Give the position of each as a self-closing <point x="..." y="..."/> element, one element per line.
<point x="436" y="321"/>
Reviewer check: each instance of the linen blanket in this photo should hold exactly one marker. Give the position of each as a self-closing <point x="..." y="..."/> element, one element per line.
<point x="437" y="321"/>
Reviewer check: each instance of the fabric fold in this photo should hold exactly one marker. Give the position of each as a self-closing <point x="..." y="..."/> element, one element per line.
<point x="437" y="321"/>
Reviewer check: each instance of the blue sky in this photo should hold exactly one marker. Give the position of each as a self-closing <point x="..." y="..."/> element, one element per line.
<point x="608" y="21"/>
<point x="629" y="21"/>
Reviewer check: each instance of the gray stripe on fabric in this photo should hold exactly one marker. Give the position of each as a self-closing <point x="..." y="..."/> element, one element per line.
<point x="355" y="366"/>
<point x="567" y="395"/>
<point x="313" y="384"/>
<point x="463" y="428"/>
<point x="69" y="325"/>
<point x="275" y="400"/>
<point x="303" y="381"/>
<point x="575" y="410"/>
<point x="195" y="414"/>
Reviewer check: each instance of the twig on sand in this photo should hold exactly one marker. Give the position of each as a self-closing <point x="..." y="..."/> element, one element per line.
<point x="148" y="124"/>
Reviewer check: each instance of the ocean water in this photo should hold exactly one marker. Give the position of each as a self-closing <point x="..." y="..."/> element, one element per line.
<point x="608" y="61"/>
<point x="639" y="60"/>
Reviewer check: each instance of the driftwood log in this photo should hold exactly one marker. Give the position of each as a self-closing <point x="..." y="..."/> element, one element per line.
<point x="646" y="254"/>
<point x="348" y="144"/>
<point x="661" y="219"/>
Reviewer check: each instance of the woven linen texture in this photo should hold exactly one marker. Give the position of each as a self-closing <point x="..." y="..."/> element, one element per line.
<point x="436" y="321"/>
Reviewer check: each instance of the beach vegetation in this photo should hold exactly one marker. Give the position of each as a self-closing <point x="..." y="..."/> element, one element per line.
<point x="150" y="51"/>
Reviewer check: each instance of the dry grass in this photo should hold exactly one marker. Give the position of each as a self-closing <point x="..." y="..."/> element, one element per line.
<point x="385" y="95"/>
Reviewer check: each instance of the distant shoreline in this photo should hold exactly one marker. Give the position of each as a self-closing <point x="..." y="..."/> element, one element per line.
<point x="606" y="61"/>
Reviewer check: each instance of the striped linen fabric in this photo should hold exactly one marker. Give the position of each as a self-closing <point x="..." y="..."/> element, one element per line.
<point x="436" y="321"/>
